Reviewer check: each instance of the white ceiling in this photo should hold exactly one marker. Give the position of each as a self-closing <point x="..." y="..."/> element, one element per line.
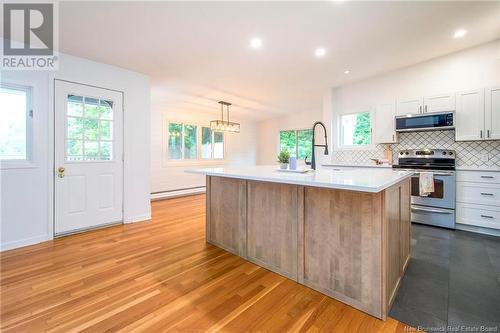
<point x="197" y="53"/>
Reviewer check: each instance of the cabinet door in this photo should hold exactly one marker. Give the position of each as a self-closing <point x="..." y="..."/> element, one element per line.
<point x="469" y="118"/>
<point x="439" y="103"/>
<point x="409" y="106"/>
<point x="272" y="221"/>
<point x="385" y="123"/>
<point x="492" y="113"/>
<point x="226" y="212"/>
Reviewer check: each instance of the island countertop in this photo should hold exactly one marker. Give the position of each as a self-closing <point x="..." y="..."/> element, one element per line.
<point x="371" y="180"/>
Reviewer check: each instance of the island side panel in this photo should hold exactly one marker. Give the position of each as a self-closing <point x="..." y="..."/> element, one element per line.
<point x="396" y="234"/>
<point x="405" y="193"/>
<point x="342" y="246"/>
<point x="272" y="226"/>
<point x="226" y="214"/>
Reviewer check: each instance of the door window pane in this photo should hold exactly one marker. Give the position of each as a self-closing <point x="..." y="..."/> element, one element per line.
<point x="218" y="145"/>
<point x="206" y="142"/>
<point x="355" y="129"/>
<point x="106" y="150"/>
<point x="89" y="131"/>
<point x="75" y="106"/>
<point x="14" y="119"/>
<point x="174" y="141"/>
<point x="288" y="141"/>
<point x="304" y="143"/>
<point x="75" y="128"/>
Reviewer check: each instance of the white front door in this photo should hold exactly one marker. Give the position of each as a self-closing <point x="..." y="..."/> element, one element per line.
<point x="88" y="157"/>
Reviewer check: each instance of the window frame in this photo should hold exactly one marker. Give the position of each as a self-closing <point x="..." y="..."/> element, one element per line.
<point x="166" y="161"/>
<point x="28" y="162"/>
<point x="339" y="145"/>
<point x="296" y="130"/>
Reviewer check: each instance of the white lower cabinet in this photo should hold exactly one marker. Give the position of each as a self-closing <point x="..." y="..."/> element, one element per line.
<point x="478" y="215"/>
<point x="478" y="198"/>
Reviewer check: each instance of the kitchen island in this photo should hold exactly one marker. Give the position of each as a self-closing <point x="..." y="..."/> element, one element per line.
<point x="345" y="233"/>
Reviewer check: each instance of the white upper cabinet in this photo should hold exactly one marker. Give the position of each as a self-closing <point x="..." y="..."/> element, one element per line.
<point x="409" y="106"/>
<point x="385" y="123"/>
<point x="439" y="103"/>
<point x="492" y="113"/>
<point x="470" y="115"/>
<point x="427" y="104"/>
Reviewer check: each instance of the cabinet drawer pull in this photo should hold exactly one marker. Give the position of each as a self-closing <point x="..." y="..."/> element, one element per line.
<point x="487" y="216"/>
<point x="488" y="133"/>
<point x="420" y="109"/>
<point x="488" y="177"/>
<point x="481" y="134"/>
<point x="485" y="193"/>
<point x="425" y="109"/>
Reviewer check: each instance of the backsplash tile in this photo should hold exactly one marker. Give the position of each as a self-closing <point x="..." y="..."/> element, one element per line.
<point x="469" y="153"/>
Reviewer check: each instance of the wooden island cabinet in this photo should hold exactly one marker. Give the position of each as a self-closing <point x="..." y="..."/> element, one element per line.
<point x="351" y="245"/>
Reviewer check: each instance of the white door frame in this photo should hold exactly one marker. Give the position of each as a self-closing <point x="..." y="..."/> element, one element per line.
<point x="52" y="151"/>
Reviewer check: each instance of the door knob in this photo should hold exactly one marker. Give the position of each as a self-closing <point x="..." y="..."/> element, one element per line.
<point x="60" y="172"/>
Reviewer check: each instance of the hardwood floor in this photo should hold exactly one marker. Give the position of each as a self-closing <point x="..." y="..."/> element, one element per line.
<point x="160" y="276"/>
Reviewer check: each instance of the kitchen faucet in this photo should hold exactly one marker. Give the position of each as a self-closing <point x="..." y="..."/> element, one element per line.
<point x="313" y="158"/>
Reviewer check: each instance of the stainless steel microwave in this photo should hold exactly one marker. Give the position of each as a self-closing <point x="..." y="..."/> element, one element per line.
<point x="425" y="122"/>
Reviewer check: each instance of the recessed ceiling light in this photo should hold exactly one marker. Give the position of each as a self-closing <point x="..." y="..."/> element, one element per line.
<point x="320" y="52"/>
<point x="256" y="43"/>
<point x="347" y="71"/>
<point x="460" y="33"/>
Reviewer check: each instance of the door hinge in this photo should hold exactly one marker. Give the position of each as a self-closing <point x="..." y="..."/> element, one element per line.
<point x="123" y="157"/>
<point x="30" y="113"/>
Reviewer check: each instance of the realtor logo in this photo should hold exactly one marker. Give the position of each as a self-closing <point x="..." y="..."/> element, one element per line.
<point x="29" y="36"/>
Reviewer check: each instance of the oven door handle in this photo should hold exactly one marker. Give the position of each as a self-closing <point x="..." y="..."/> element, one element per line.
<point x="427" y="210"/>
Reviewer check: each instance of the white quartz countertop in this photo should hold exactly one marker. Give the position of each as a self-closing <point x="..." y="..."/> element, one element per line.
<point x="352" y="165"/>
<point x="478" y="168"/>
<point x="357" y="179"/>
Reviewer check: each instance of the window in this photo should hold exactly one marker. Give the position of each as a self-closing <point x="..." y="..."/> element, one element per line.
<point x="89" y="129"/>
<point x="187" y="142"/>
<point x="15" y="122"/>
<point x="297" y="142"/>
<point x="355" y="129"/>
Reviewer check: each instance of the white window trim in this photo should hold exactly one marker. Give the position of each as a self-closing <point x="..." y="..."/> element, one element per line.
<point x="340" y="147"/>
<point x="166" y="162"/>
<point x="29" y="161"/>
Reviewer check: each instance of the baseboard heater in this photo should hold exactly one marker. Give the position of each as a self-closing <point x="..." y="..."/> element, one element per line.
<point x="160" y="195"/>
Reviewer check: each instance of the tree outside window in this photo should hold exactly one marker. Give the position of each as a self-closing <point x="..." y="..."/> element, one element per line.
<point x="297" y="142"/>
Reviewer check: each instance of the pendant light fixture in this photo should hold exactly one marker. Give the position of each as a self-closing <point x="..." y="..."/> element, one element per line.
<point x="224" y="125"/>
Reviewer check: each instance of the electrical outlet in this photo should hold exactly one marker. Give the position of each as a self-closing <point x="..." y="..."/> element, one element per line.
<point x="484" y="157"/>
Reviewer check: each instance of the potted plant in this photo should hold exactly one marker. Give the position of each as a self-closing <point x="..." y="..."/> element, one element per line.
<point x="283" y="158"/>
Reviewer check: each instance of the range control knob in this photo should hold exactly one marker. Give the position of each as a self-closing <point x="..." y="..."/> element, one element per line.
<point x="444" y="153"/>
<point x="450" y="153"/>
<point x="401" y="153"/>
<point x="407" y="153"/>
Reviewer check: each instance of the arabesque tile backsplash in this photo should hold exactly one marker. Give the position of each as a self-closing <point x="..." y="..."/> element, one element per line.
<point x="468" y="153"/>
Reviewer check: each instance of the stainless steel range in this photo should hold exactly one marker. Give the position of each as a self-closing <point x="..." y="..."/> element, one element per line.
<point x="438" y="208"/>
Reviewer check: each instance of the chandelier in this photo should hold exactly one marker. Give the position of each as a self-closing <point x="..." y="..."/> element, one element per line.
<point x="224" y="125"/>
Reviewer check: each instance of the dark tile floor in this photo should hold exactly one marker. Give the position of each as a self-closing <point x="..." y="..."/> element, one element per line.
<point x="452" y="282"/>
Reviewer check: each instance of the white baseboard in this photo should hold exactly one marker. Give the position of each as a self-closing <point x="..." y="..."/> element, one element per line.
<point x="24" y="242"/>
<point x="138" y="218"/>
<point x="178" y="193"/>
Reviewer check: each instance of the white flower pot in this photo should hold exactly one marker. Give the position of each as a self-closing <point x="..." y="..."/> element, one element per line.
<point x="283" y="166"/>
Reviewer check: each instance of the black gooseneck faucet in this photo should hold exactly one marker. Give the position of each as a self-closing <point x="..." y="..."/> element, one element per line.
<point x="313" y="158"/>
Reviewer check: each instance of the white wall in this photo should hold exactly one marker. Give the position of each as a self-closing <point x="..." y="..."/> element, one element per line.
<point x="26" y="194"/>
<point x="472" y="68"/>
<point x="241" y="149"/>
